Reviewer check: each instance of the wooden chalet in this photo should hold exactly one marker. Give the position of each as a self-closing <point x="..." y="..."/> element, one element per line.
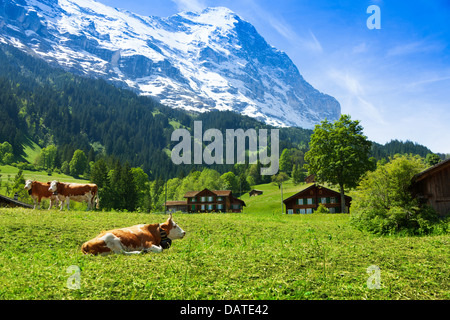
<point x="11" y="203"/>
<point x="213" y="200"/>
<point x="255" y="192"/>
<point x="432" y="187"/>
<point x="308" y="199"/>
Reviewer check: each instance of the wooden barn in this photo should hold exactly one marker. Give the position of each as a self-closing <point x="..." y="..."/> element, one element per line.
<point x="432" y="186"/>
<point x="311" y="178"/>
<point x="11" y="203"/>
<point x="308" y="199"/>
<point x="173" y="206"/>
<point x="255" y="192"/>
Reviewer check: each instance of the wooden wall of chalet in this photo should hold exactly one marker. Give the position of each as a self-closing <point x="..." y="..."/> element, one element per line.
<point x="433" y="187"/>
<point x="316" y="193"/>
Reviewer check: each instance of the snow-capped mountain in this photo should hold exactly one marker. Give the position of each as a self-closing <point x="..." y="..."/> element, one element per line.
<point x="196" y="61"/>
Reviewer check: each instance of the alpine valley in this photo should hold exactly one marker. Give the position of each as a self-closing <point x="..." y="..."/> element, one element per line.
<point x="196" y="61"/>
<point x="67" y="67"/>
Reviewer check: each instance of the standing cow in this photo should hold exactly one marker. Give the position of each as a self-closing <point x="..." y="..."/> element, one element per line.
<point x="76" y="192"/>
<point x="38" y="191"/>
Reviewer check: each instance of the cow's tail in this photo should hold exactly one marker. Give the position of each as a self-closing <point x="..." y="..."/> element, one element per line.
<point x="97" y="200"/>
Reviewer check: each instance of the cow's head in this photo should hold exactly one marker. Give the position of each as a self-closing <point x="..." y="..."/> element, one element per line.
<point x="53" y="186"/>
<point x="172" y="229"/>
<point x="28" y="184"/>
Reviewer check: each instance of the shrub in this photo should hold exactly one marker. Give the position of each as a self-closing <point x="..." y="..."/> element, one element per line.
<point x="382" y="203"/>
<point x="322" y="209"/>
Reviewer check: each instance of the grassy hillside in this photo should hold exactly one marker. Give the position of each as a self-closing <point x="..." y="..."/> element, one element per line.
<point x="223" y="256"/>
<point x="31" y="150"/>
<point x="37" y="175"/>
<point x="270" y="200"/>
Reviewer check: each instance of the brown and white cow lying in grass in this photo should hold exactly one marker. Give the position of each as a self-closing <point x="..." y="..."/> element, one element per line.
<point x="137" y="239"/>
<point x="38" y="191"/>
<point x="75" y="191"/>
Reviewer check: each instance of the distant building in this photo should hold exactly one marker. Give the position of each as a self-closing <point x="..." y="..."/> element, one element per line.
<point x="173" y="206"/>
<point x="432" y="187"/>
<point x="310" y="179"/>
<point x="207" y="201"/>
<point x="11" y="203"/>
<point x="255" y="192"/>
<point x="308" y="199"/>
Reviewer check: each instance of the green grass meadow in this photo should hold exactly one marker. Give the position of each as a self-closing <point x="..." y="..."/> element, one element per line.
<point x="258" y="254"/>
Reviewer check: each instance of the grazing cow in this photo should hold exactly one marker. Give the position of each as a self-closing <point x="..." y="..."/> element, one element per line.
<point x="137" y="239"/>
<point x="76" y="192"/>
<point x="38" y="191"/>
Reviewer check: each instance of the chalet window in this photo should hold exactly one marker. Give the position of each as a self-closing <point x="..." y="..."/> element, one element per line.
<point x="309" y="210"/>
<point x="210" y="207"/>
<point x="310" y="201"/>
<point x="203" y="199"/>
<point x="219" y="199"/>
<point x="220" y="207"/>
<point x="236" y="206"/>
<point x="203" y="207"/>
<point x="290" y="211"/>
<point x="210" y="199"/>
<point x="332" y="210"/>
<point x="323" y="200"/>
<point x="301" y="211"/>
<point x="333" y="200"/>
<point x="193" y="199"/>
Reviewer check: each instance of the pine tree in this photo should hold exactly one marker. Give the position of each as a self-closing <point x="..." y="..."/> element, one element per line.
<point x="127" y="189"/>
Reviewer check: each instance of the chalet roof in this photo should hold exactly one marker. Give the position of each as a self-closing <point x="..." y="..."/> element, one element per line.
<point x="176" y="203"/>
<point x="220" y="193"/>
<point x="309" y="186"/>
<point x="17" y="202"/>
<point x="236" y="200"/>
<point x="431" y="170"/>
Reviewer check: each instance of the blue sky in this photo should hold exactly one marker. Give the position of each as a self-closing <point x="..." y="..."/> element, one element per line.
<point x="395" y="80"/>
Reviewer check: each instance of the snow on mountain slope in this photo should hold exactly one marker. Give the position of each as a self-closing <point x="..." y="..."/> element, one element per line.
<point x="196" y="61"/>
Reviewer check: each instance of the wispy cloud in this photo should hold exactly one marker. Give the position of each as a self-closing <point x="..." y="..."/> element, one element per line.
<point x="307" y="41"/>
<point x="354" y="94"/>
<point x="190" y="5"/>
<point x="413" y="48"/>
<point x="430" y="80"/>
<point x="347" y="81"/>
<point x="314" y="44"/>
